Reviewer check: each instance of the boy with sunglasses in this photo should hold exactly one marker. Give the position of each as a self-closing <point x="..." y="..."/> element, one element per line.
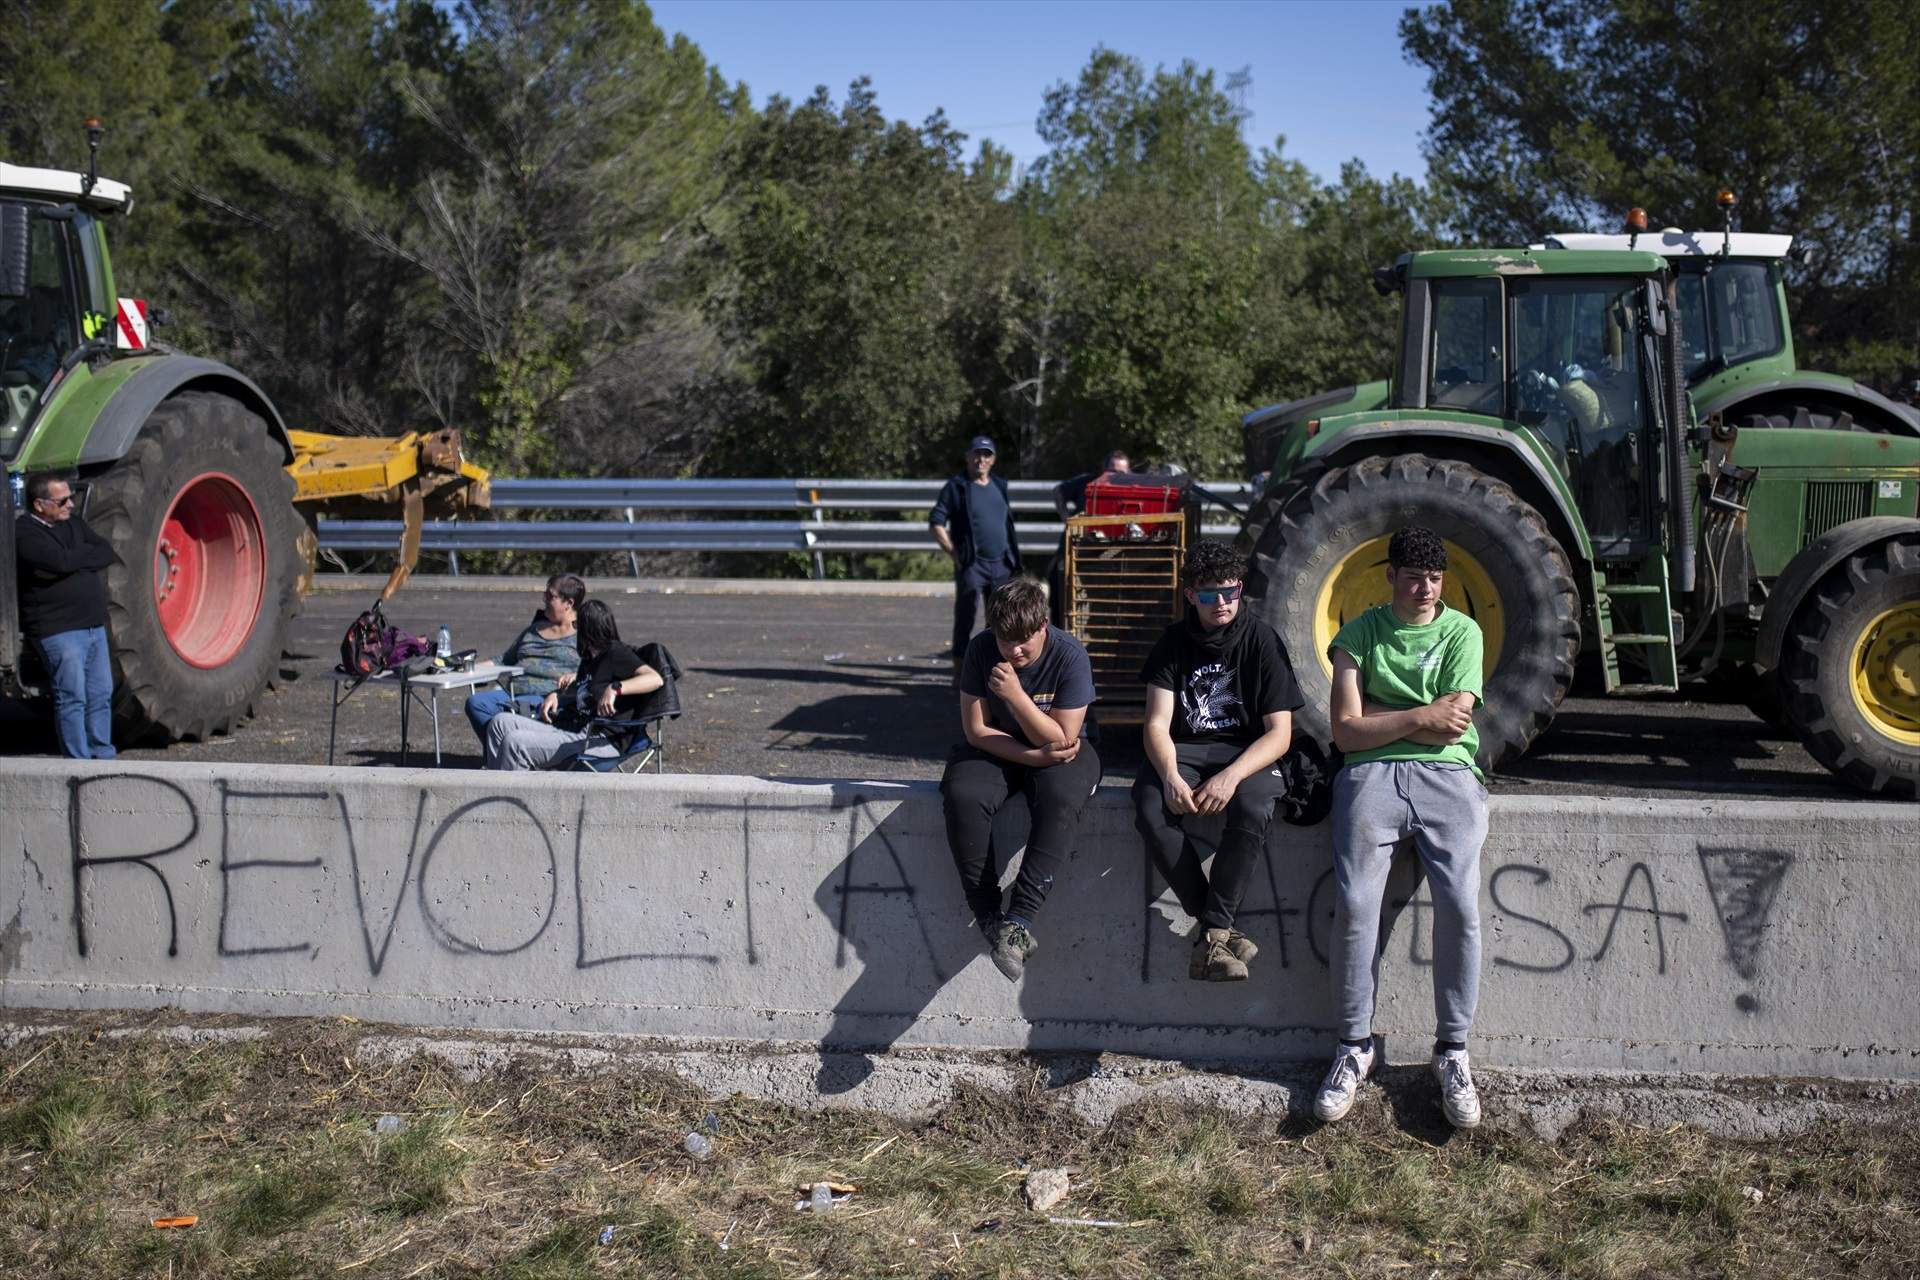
<point x="1220" y="702"/>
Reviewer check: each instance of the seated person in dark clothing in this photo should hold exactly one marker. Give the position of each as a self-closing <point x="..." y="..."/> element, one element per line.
<point x="1025" y="687"/>
<point x="545" y="649"/>
<point x="610" y="684"/>
<point x="1220" y="703"/>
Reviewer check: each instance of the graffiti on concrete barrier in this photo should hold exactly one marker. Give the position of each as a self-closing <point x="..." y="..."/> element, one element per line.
<point x="462" y="911"/>
<point x="433" y="877"/>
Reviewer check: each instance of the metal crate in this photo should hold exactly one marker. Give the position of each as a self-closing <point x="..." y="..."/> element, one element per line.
<point x="1121" y="595"/>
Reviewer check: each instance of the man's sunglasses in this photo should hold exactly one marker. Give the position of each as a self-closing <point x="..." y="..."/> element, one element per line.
<point x="1218" y="595"/>
<point x="66" y="501"/>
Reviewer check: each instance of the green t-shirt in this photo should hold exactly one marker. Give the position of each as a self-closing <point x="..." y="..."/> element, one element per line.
<point x="1404" y="666"/>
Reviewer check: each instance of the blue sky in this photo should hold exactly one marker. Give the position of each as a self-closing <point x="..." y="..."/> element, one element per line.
<point x="1329" y="76"/>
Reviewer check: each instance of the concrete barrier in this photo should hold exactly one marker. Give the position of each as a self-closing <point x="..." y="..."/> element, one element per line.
<point x="1737" y="937"/>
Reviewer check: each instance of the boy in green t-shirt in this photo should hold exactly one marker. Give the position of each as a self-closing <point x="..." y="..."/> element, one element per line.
<point x="1406" y="678"/>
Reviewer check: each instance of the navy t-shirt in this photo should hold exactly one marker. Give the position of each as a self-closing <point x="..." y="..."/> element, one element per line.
<point x="987" y="517"/>
<point x="1061" y="678"/>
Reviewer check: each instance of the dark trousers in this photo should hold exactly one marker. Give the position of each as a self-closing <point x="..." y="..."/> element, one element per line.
<point x="1213" y="901"/>
<point x="972" y="791"/>
<point x="972" y="584"/>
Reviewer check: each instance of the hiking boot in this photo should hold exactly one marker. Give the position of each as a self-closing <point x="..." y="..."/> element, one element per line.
<point x="1458" y="1098"/>
<point x="1237" y="942"/>
<point x="1013" y="942"/>
<point x="1213" y="959"/>
<point x="1351" y="1066"/>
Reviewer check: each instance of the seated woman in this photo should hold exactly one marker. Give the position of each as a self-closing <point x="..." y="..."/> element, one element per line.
<point x="545" y="648"/>
<point x="611" y="684"/>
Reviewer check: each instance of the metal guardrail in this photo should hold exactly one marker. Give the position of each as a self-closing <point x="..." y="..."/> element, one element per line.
<point x="815" y="534"/>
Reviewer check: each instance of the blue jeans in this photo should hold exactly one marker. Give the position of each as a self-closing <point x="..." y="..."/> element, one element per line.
<point x="488" y="703"/>
<point x="82" y="677"/>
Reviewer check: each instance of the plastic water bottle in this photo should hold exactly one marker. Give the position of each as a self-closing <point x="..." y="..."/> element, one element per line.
<point x="697" y="1145"/>
<point x="443" y="648"/>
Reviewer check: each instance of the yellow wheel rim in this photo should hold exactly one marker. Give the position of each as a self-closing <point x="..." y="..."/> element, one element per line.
<point x="1886" y="673"/>
<point x="1359" y="582"/>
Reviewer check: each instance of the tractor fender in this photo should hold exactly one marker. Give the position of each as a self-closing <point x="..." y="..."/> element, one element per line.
<point x="1811" y="565"/>
<point x="120" y="421"/>
<point x="1496" y="451"/>
<point x="1828" y="390"/>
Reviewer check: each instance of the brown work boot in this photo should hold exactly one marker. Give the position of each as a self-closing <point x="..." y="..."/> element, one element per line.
<point x="1213" y="959"/>
<point x="1238" y="943"/>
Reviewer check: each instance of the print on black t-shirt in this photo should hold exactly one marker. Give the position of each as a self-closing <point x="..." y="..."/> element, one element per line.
<point x="1209" y="702"/>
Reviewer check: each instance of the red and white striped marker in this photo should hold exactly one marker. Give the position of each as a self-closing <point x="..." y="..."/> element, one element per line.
<point x="130" y="325"/>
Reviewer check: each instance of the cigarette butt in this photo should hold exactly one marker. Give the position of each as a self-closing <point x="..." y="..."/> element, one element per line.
<point x="184" y="1220"/>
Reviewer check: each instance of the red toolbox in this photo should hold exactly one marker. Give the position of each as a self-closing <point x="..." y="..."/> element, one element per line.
<point x="1132" y="494"/>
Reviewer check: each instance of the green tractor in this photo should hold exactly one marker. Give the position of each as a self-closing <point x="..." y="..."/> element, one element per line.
<point x="1540" y="419"/>
<point x="182" y="464"/>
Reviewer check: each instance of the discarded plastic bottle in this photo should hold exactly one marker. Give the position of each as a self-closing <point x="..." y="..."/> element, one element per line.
<point x="822" y="1199"/>
<point x="697" y="1146"/>
<point x="390" y="1124"/>
<point x="444" y="647"/>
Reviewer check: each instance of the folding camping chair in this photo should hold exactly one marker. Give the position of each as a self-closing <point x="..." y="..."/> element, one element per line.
<point x="638" y="739"/>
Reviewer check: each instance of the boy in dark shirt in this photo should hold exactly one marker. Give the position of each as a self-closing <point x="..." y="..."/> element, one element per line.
<point x="1220" y="703"/>
<point x="1025" y="686"/>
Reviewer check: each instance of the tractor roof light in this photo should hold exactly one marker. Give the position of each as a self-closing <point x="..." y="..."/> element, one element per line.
<point x="1727" y="201"/>
<point x="1636" y="226"/>
<point x="95" y="131"/>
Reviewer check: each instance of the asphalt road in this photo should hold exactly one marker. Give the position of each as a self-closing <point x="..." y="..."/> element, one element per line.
<point x="833" y="686"/>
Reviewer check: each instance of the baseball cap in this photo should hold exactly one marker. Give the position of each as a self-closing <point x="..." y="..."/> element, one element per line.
<point x="982" y="444"/>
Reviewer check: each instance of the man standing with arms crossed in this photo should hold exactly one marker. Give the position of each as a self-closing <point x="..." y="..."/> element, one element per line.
<point x="972" y="521"/>
<point x="1406" y="678"/>
<point x="63" y="613"/>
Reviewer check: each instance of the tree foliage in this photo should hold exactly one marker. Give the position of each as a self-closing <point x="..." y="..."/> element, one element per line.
<point x="548" y="223"/>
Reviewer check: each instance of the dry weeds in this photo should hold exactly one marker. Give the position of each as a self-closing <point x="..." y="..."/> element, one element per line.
<point x="273" y="1144"/>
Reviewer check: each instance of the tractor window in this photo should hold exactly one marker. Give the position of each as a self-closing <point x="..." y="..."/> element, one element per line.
<point x="37" y="331"/>
<point x="1578" y="383"/>
<point x="1468" y="369"/>
<point x="1729" y="314"/>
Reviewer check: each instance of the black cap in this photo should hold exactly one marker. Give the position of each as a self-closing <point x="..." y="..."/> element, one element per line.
<point x="982" y="444"/>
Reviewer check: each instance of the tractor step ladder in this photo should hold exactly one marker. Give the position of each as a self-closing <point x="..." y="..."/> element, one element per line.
<point x="1632" y="611"/>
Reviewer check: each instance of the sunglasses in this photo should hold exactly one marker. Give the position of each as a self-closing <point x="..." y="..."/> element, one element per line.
<point x="1218" y="595"/>
<point x="59" y="502"/>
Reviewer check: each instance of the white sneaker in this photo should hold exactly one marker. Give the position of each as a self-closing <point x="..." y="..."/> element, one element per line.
<point x="1458" y="1098"/>
<point x="1350" y="1067"/>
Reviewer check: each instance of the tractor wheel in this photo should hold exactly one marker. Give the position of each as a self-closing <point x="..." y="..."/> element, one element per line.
<point x="1850" y="669"/>
<point x="200" y="512"/>
<point x="1322" y="561"/>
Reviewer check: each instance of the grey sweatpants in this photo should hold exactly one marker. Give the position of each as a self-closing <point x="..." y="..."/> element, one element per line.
<point x="1376" y="805"/>
<point x="520" y="742"/>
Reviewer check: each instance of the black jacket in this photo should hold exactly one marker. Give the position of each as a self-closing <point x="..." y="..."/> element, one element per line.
<point x="60" y="587"/>
<point x="950" y="509"/>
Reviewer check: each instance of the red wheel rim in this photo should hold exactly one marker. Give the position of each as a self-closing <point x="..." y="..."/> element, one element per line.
<point x="209" y="570"/>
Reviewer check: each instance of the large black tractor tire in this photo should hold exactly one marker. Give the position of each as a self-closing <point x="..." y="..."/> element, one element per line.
<point x="1849" y="665"/>
<point x="1322" y="558"/>
<point x="200" y="513"/>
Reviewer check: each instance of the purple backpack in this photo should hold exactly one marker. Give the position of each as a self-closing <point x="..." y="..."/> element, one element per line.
<point x="371" y="646"/>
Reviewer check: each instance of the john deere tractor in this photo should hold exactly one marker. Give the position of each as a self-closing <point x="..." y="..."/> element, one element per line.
<point x="182" y="464"/>
<point x="1539" y="417"/>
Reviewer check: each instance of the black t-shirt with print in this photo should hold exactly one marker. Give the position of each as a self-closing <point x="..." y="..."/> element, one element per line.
<point x="1223" y="685"/>
<point x="1062" y="677"/>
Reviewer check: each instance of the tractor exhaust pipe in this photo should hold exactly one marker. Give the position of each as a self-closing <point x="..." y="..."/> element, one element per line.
<point x="1680" y="559"/>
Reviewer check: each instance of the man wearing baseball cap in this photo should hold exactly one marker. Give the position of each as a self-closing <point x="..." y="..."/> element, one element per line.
<point x="973" y="522"/>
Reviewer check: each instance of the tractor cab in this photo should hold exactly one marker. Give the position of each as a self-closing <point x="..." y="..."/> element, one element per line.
<point x="57" y="300"/>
